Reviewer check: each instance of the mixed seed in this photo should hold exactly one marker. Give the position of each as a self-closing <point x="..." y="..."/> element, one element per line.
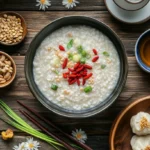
<point x="6" y="69"/>
<point x="11" y="30"/>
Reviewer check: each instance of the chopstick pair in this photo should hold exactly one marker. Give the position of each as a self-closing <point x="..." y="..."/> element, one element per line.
<point x="68" y="146"/>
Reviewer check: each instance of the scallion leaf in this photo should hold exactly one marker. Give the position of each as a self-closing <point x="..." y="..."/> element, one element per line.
<point x="80" y="49"/>
<point x="70" y="56"/>
<point x="83" y="53"/>
<point x="103" y="66"/>
<point x="87" y="89"/>
<point x="56" y="71"/>
<point x="106" y="54"/>
<point x="70" y="44"/>
<point x="83" y="60"/>
<point x="54" y="87"/>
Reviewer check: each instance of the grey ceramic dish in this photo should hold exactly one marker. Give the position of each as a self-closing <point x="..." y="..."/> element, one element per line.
<point x="75" y="20"/>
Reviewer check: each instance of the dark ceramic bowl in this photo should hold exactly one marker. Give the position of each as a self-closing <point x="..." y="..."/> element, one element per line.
<point x="75" y="20"/>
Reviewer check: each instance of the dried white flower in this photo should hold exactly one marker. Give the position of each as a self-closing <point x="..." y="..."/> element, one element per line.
<point x="79" y="135"/>
<point x="19" y="147"/>
<point x="31" y="144"/>
<point x="70" y="3"/>
<point x="43" y="4"/>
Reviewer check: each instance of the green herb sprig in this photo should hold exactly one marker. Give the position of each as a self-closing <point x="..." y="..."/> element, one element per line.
<point x="70" y="44"/>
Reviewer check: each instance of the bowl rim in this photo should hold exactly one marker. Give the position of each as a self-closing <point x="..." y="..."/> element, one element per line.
<point x="136" y="50"/>
<point x="15" y="68"/>
<point x="134" y="2"/>
<point x="130" y="10"/>
<point x="76" y="115"/>
<point x="25" y="28"/>
<point x="119" y="117"/>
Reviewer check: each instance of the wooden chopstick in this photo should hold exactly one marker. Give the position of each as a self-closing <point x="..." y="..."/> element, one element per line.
<point x="46" y="131"/>
<point x="82" y="145"/>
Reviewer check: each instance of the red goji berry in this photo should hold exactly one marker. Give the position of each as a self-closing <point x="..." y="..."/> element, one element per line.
<point x="83" y="81"/>
<point x="79" y="69"/>
<point x="65" y="75"/>
<point x="72" y="76"/>
<point x="65" y="63"/>
<point x="70" y="69"/>
<point x="78" y="82"/>
<point x="95" y="51"/>
<point x="88" y="66"/>
<point x="61" y="48"/>
<point x="72" y="82"/>
<point x="95" y="58"/>
<point x="76" y="65"/>
<point x="88" y="76"/>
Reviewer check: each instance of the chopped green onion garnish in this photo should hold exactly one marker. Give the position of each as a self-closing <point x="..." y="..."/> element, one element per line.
<point x="87" y="89"/>
<point x="83" y="60"/>
<point x="70" y="56"/>
<point x="106" y="54"/>
<point x="54" y="87"/>
<point x="83" y="53"/>
<point x="80" y="49"/>
<point x="103" y="66"/>
<point x="70" y="44"/>
<point x="55" y="71"/>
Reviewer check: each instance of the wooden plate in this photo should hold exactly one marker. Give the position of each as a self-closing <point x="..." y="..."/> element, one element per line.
<point x="121" y="132"/>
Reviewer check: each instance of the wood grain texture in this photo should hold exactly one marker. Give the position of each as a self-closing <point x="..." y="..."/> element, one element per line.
<point x="97" y="127"/>
<point x="56" y="5"/>
<point x="38" y="20"/>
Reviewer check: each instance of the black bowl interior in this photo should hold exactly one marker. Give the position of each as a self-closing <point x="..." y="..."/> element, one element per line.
<point x="75" y="20"/>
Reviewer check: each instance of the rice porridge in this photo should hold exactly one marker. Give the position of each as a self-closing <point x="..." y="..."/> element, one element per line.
<point x="76" y="67"/>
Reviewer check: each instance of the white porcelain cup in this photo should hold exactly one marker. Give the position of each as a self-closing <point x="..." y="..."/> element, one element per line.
<point x="131" y="5"/>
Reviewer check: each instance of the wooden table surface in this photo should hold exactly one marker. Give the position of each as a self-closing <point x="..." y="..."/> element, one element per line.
<point x="97" y="127"/>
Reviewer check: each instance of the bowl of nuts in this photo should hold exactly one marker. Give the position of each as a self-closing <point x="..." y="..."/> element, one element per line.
<point x="7" y="69"/>
<point x="13" y="28"/>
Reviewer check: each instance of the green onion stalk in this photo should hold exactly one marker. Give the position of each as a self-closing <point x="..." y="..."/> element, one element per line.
<point x="20" y="124"/>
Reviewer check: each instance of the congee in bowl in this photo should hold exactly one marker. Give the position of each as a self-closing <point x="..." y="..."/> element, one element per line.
<point x="76" y="68"/>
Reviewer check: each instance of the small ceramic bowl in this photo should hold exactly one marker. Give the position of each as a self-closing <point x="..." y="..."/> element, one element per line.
<point x="137" y="51"/>
<point x="10" y="79"/>
<point x="23" y="24"/>
<point x="131" y="5"/>
<point x="121" y="132"/>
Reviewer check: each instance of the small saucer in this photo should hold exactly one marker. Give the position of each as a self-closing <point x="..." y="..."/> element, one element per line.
<point x="131" y="17"/>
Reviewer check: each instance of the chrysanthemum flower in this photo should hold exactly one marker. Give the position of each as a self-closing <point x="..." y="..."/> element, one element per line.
<point x="70" y="3"/>
<point x="31" y="145"/>
<point x="79" y="135"/>
<point x="19" y="147"/>
<point x="43" y="4"/>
